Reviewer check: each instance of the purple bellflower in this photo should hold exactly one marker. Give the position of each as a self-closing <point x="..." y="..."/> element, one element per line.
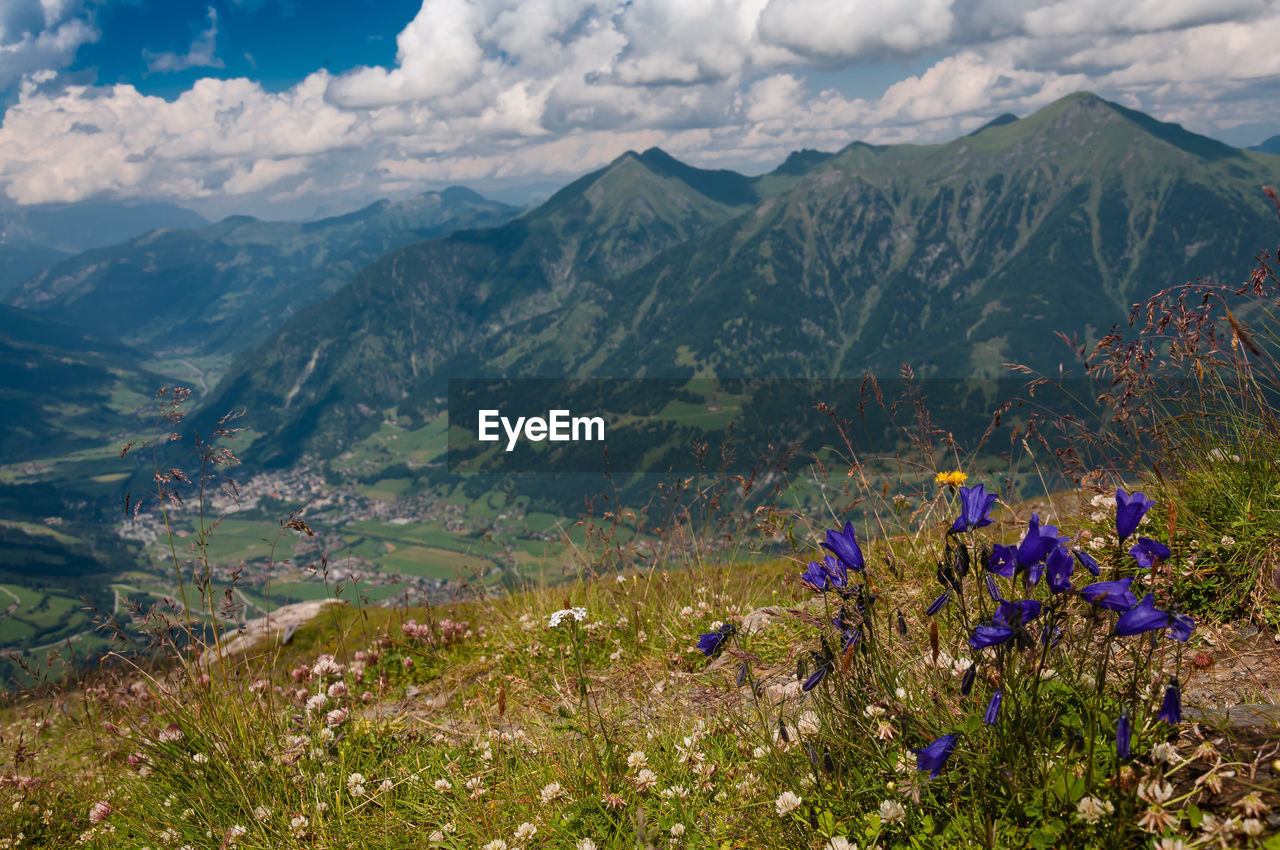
<point x="1129" y="512"/>
<point x="938" y="604"/>
<point x="1059" y="566"/>
<point x="1038" y="542"/>
<point x="1146" y="617"/>
<point x="934" y="757"/>
<point x="985" y="635"/>
<point x="827" y="574"/>
<point x="844" y="544"/>
<point x="1148" y="551"/>
<point x="992" y="589"/>
<point x="1087" y="561"/>
<point x="1124" y="736"/>
<point x="1004" y="560"/>
<point x="975" y="509"/>
<point x="993" y="708"/>
<point x="712" y="642"/>
<point x="1171" y="706"/>
<point x="1112" y="595"/>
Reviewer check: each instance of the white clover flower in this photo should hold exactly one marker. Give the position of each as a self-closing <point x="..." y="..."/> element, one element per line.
<point x="326" y="666"/>
<point x="355" y="784"/>
<point x="385" y="786"/>
<point x="787" y="802"/>
<point x="525" y="831"/>
<point x="1228" y="540"/>
<point x="840" y="843"/>
<point x="1251" y="827"/>
<point x="336" y="717"/>
<point x="637" y="760"/>
<point x="1157" y="792"/>
<point x="200" y="758"/>
<point x="646" y="779"/>
<point x="876" y="710"/>
<point x="551" y="792"/>
<point x="436" y="837"/>
<point x="677" y="830"/>
<point x="808" y="724"/>
<point x="496" y="844"/>
<point x="443" y="785"/>
<point x="1164" y="753"/>
<point x="1092" y="810"/>
<point x="1170" y="844"/>
<point x="317" y="703"/>
<point x="686" y="611"/>
<point x="1252" y="805"/>
<point x="261" y="813"/>
<point x="891" y="811"/>
<point x="557" y="617"/>
<point x="585" y="844"/>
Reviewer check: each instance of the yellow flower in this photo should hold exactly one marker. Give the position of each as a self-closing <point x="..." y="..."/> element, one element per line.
<point x="953" y="478"/>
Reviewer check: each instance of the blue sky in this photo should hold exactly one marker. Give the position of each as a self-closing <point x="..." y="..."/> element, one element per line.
<point x="283" y="107"/>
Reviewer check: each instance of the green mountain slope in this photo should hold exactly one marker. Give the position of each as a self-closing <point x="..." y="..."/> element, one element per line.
<point x="953" y="257"/>
<point x="65" y="391"/>
<point x="223" y="287"/>
<point x="537" y="283"/>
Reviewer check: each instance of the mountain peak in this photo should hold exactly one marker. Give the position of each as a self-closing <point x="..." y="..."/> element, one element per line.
<point x="998" y="121"/>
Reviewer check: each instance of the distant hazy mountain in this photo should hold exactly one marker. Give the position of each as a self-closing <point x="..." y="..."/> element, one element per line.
<point x="953" y="257"/>
<point x="65" y="390"/>
<point x="33" y="238"/>
<point x="1271" y="145"/>
<point x="225" y="286"/>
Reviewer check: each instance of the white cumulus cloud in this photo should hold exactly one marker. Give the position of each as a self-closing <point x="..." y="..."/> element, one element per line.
<point x="491" y="90"/>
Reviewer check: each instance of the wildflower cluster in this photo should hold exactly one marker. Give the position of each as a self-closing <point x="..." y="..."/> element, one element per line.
<point x="1044" y="673"/>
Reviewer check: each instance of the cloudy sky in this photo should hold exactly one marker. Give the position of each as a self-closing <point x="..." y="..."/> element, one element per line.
<point x="283" y="107"/>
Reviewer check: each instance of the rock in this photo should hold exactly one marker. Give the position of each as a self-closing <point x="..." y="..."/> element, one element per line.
<point x="1237" y="716"/>
<point x="758" y="619"/>
<point x="284" y="620"/>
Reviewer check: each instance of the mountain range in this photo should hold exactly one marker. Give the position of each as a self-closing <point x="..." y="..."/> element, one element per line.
<point x="37" y="236"/>
<point x="219" y="288"/>
<point x="953" y="257"/>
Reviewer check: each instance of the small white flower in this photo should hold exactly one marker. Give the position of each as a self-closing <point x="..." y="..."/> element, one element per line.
<point x="525" y="831"/>
<point x="551" y="792"/>
<point x="557" y="617"/>
<point x="808" y="724"/>
<point x="891" y="811"/>
<point x="443" y="785"/>
<point x="1251" y="827"/>
<point x="497" y="844"/>
<point x="787" y="802"/>
<point x="686" y="611"/>
<point x="1156" y="792"/>
<point x="646" y="779"/>
<point x="1228" y="540"/>
<point x="436" y="837"/>
<point x="677" y="830"/>
<point x="840" y="843"/>
<point x="876" y="710"/>
<point x="1092" y="810"/>
<point x="200" y="758"/>
<point x="637" y="760"/>
<point x="261" y="812"/>
<point x="1164" y="753"/>
<point x="317" y="703"/>
<point x="586" y="843"/>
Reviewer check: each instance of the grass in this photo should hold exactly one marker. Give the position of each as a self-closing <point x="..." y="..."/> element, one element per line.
<point x="680" y="685"/>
